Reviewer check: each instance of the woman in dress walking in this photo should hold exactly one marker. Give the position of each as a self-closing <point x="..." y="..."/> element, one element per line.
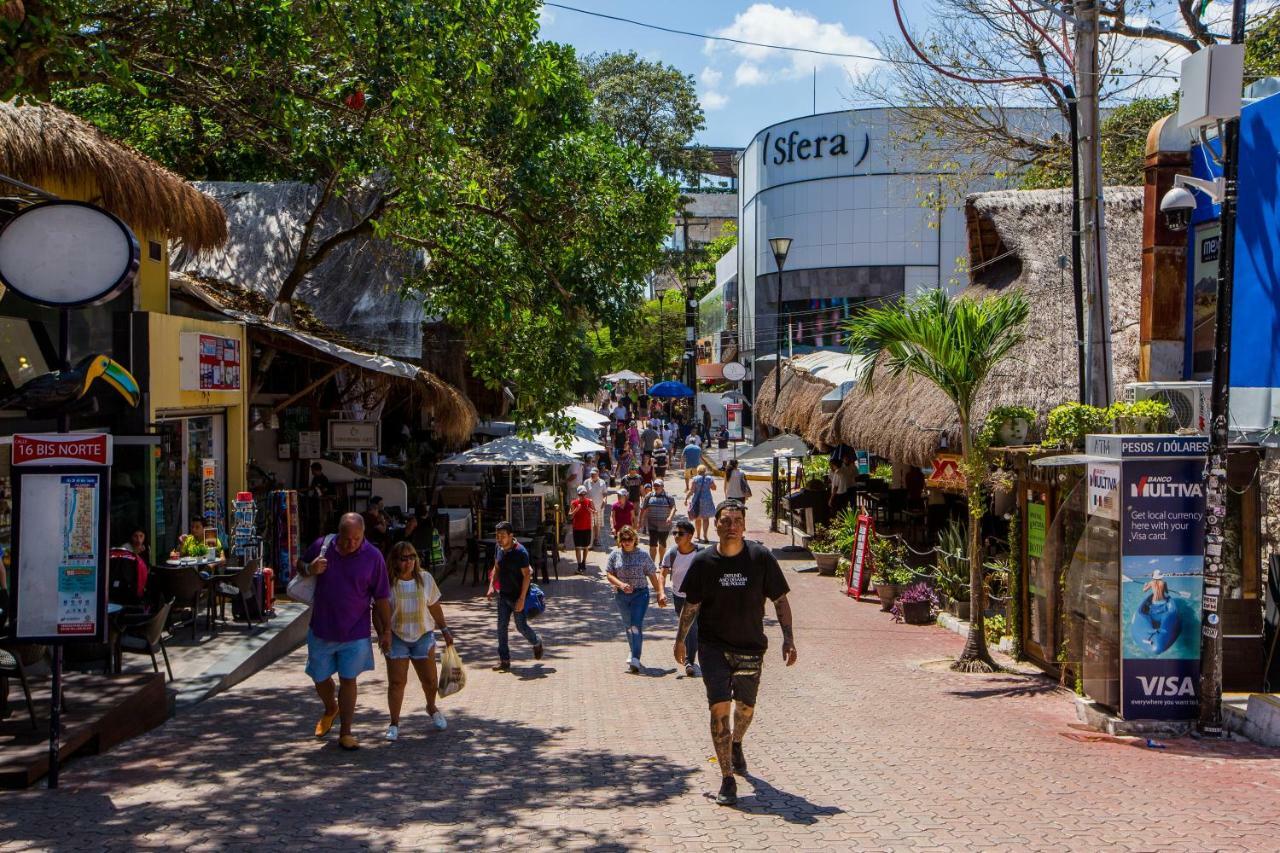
<point x="630" y="571"/>
<point x="415" y="614"/>
<point x="700" y="503"/>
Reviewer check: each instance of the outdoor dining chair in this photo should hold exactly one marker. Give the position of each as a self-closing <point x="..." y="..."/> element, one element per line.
<point x="239" y="588"/>
<point x="145" y="638"/>
<point x="184" y="588"/>
<point x="11" y="667"/>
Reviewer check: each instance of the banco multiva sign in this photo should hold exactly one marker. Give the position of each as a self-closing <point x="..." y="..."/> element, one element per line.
<point x="1162" y="568"/>
<point x="790" y="147"/>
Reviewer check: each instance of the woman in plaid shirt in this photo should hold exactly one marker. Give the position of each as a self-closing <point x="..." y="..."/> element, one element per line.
<point x="630" y="571"/>
<point x="415" y="614"/>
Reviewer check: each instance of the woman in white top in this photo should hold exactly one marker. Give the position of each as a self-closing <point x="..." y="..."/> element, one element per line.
<point x="415" y="614"/>
<point x="735" y="482"/>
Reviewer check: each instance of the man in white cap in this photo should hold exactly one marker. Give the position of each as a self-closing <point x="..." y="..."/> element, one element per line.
<point x="596" y="490"/>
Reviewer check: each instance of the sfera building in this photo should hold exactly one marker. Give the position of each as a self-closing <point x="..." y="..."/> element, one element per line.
<point x="870" y="215"/>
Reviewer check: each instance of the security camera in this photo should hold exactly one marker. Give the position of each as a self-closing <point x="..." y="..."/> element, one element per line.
<point x="1177" y="207"/>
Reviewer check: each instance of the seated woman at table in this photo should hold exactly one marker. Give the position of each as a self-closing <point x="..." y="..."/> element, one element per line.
<point x="138" y="545"/>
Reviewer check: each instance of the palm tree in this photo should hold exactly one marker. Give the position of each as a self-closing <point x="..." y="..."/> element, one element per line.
<point x="954" y="344"/>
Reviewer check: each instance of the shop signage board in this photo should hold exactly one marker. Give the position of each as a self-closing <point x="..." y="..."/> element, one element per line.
<point x="946" y="472"/>
<point x="1104" y="489"/>
<point x="354" y="436"/>
<point x="209" y="362"/>
<point x="59" y="581"/>
<point x="859" y="566"/>
<point x="1035" y="529"/>
<point x="62" y="449"/>
<point x="733" y="420"/>
<point x="1162" y="504"/>
<point x="309" y="444"/>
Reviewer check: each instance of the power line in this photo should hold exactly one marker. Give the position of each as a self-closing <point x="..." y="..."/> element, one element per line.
<point x="814" y="51"/>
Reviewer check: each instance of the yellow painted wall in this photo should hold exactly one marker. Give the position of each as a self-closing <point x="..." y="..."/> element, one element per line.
<point x="151" y="288"/>
<point x="166" y="396"/>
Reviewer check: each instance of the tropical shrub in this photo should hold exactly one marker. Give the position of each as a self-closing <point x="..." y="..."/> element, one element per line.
<point x="1069" y="423"/>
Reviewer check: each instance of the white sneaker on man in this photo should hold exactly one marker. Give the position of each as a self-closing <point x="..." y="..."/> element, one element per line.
<point x="393" y="733"/>
<point x="438" y="720"/>
<point x="634" y="664"/>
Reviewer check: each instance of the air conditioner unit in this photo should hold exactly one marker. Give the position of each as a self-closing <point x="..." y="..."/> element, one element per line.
<point x="1188" y="401"/>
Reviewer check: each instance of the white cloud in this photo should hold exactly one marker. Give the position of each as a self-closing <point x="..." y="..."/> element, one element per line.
<point x="546" y="15"/>
<point x="748" y="74"/>
<point x="710" y="77"/>
<point x="787" y="27"/>
<point x="712" y="100"/>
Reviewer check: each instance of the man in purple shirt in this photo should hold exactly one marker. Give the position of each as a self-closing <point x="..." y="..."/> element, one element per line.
<point x="350" y="576"/>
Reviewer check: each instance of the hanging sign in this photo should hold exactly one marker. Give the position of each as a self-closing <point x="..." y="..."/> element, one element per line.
<point x="209" y="362"/>
<point x="67" y="253"/>
<point x="859" y="574"/>
<point x="354" y="436"/>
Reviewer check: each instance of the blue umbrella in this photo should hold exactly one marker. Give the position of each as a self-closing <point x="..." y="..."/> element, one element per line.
<point x="670" y="388"/>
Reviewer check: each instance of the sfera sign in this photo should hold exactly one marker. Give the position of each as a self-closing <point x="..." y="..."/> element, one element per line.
<point x="790" y="147"/>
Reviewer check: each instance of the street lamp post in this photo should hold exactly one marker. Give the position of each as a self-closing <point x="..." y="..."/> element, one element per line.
<point x="780" y="246"/>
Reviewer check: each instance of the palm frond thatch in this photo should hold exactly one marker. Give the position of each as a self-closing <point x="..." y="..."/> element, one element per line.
<point x="908" y="421"/>
<point x="41" y="143"/>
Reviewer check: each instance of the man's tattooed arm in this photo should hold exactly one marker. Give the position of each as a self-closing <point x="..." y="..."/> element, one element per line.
<point x="687" y="616"/>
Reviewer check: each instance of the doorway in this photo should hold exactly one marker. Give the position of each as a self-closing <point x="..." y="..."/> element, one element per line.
<point x="185" y="443"/>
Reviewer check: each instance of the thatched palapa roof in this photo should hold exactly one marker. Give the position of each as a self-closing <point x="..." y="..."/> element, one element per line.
<point x="41" y="143"/>
<point x="1018" y="239"/>
<point x="356" y="288"/>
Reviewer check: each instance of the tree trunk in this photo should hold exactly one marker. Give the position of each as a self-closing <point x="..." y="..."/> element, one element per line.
<point x="974" y="657"/>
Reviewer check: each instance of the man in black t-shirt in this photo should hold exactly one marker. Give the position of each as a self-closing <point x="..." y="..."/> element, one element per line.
<point x="725" y="590"/>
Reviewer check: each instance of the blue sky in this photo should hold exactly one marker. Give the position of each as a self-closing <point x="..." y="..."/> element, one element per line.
<point x="742" y="88"/>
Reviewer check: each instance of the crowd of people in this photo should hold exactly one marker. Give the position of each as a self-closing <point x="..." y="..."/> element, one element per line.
<point x="718" y="590"/>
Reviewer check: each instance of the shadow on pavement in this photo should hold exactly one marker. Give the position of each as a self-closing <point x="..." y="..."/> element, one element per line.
<point x="466" y="787"/>
<point x="1005" y="686"/>
<point x="766" y="799"/>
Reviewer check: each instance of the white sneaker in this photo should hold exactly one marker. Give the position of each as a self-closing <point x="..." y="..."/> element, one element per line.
<point x="438" y="720"/>
<point x="393" y="733"/>
<point x="634" y="663"/>
<point x="697" y="671"/>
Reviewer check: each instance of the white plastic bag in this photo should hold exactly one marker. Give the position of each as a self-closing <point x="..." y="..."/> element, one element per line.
<point x="302" y="588"/>
<point x="452" y="676"/>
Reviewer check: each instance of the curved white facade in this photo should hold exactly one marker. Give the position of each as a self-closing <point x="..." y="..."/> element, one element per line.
<point x="860" y="207"/>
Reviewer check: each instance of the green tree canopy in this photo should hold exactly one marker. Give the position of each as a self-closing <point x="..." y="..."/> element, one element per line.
<point x="651" y="105"/>
<point x="1124" y="147"/>
<point x="456" y="129"/>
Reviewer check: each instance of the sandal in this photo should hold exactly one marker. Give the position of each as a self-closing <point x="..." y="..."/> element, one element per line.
<point x="326" y="723"/>
<point x="349" y="742"/>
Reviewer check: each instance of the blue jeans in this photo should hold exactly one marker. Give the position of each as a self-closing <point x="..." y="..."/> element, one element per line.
<point x="691" y="638"/>
<point x="507" y="609"/>
<point x="633" y="606"/>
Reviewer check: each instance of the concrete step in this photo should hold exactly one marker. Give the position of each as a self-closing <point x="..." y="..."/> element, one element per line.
<point x="1255" y="716"/>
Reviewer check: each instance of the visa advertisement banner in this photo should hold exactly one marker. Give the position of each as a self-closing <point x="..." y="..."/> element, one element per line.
<point x="1161" y="582"/>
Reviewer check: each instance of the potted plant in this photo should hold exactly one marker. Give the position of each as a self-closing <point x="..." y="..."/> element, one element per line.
<point x="1008" y="426"/>
<point x="915" y="605"/>
<point x="1069" y="423"/>
<point x="891" y="570"/>
<point x="1143" y="416"/>
<point x="825" y="552"/>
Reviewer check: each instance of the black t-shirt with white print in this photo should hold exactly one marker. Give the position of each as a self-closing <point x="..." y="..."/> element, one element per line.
<point x="731" y="592"/>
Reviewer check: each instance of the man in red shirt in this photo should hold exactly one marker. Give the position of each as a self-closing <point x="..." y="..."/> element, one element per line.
<point x="582" y="513"/>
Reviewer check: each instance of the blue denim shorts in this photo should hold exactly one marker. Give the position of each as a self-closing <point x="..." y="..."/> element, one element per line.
<point x="348" y="660"/>
<point x="419" y="649"/>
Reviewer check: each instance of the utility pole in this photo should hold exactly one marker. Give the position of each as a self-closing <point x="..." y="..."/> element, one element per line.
<point x="690" y="322"/>
<point x="1215" y="510"/>
<point x="1097" y="340"/>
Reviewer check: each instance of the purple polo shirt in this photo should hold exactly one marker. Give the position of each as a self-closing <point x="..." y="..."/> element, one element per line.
<point x="346" y="591"/>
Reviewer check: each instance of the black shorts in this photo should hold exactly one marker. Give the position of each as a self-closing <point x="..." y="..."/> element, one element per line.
<point x="581" y="538"/>
<point x="729" y="676"/>
<point x="658" y="537"/>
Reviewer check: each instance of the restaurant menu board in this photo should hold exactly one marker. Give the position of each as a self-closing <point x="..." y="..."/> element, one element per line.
<point x="60" y="580"/>
<point x="859" y="566"/>
<point x="524" y="511"/>
<point x="309" y="444"/>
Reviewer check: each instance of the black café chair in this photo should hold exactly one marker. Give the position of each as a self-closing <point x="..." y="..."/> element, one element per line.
<point x="183" y="588"/>
<point x="11" y="667"/>
<point x="239" y="588"/>
<point x="145" y="638"/>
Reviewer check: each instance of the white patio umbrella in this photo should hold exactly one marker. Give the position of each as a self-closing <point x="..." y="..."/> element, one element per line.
<point x="512" y="451"/>
<point x="625" y="376"/>
<point x="584" y="416"/>
<point x="578" y="444"/>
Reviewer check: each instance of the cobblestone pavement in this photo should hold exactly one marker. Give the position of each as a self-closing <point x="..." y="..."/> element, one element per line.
<point x="858" y="746"/>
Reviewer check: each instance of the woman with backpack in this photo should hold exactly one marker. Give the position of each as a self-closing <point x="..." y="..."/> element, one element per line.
<point x="735" y="482"/>
<point x="415" y="614"/>
<point x="630" y="571"/>
<point x="700" y="503"/>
